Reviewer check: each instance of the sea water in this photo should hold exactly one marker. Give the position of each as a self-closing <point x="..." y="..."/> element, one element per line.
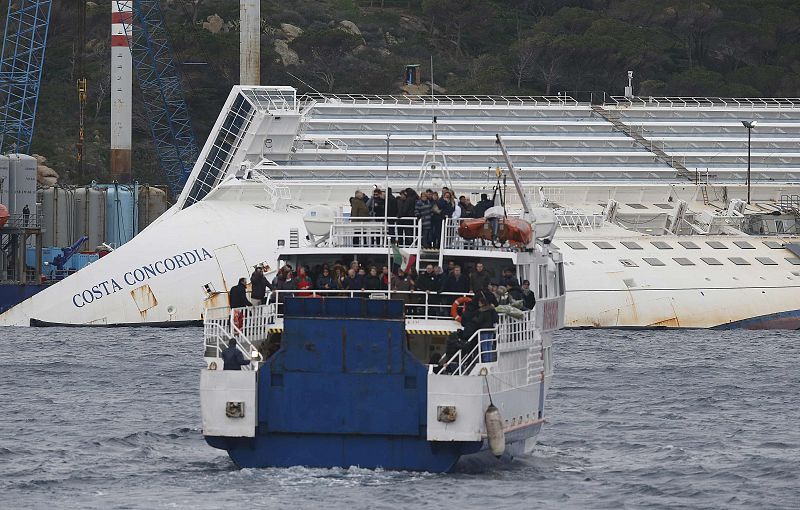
<point x="109" y="418"/>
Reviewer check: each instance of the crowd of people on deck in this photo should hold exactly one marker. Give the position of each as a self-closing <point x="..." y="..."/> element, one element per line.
<point x="430" y="207"/>
<point x="443" y="284"/>
<point x="439" y="287"/>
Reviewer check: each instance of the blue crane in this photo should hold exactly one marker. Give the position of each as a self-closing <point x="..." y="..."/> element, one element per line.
<point x="66" y="253"/>
<point x="160" y="83"/>
<point x="24" y="42"/>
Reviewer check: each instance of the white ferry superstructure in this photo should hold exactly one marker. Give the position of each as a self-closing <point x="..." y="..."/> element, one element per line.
<point x="664" y="174"/>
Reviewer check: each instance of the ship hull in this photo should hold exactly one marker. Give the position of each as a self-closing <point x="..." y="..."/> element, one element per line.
<point x="345" y="390"/>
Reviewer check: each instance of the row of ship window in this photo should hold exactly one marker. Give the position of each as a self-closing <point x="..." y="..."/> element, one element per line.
<point x="663" y="245"/>
<point x="711" y="261"/>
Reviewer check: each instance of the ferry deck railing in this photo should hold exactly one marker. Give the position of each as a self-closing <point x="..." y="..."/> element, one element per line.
<point x="252" y="324"/>
<point x="508" y="334"/>
<point x="220" y="325"/>
<point x="450" y="240"/>
<point x="375" y="232"/>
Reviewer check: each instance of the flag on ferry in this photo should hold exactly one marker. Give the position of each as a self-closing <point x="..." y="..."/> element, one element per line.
<point x="403" y="259"/>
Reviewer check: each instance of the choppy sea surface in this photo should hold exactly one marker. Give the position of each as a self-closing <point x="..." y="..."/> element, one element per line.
<point x="109" y="418"/>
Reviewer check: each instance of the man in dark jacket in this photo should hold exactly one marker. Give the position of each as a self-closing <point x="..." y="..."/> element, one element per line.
<point x="455" y="282"/>
<point x="510" y="282"/>
<point x="376" y="204"/>
<point x="430" y="283"/>
<point x="232" y="357"/>
<point x="479" y="279"/>
<point x="528" y="297"/>
<point x="354" y="281"/>
<point x="482" y="206"/>
<point x="237" y="297"/>
<point x="467" y="209"/>
<point x="485" y="318"/>
<point x="259" y="285"/>
<point x="429" y="280"/>
<point x="406" y="211"/>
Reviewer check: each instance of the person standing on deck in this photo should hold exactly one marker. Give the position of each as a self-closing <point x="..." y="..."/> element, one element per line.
<point x="358" y="209"/>
<point x="466" y="206"/>
<point x="446" y="208"/>
<point x="237" y="297"/>
<point x="479" y="279"/>
<point x="483" y="205"/>
<point x="424" y="211"/>
<point x="406" y="211"/>
<point x="259" y="285"/>
<point x="303" y="282"/>
<point x="232" y="358"/>
<point x="528" y="297"/>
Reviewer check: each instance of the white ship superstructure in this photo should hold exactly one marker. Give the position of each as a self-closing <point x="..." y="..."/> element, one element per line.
<point x="641" y="170"/>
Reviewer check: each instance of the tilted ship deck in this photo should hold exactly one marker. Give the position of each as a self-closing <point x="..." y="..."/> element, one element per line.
<point x="640" y="170"/>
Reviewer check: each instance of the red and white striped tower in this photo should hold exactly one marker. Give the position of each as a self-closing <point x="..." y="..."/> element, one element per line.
<point x="121" y="90"/>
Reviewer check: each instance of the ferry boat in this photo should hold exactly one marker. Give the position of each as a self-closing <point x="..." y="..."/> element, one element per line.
<point x="666" y="174"/>
<point x="350" y="378"/>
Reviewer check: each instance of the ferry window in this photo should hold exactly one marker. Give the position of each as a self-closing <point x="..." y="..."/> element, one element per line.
<point x="766" y="261"/>
<point x="744" y="245"/>
<point x="553" y="289"/>
<point x="689" y="245"/>
<point x="653" y="261"/>
<point x="664" y="206"/>
<point x="542" y="281"/>
<point x="628" y="263"/>
<point x="775" y="245"/>
<point x="717" y="245"/>
<point x="661" y="245"/>
<point x="739" y="261"/>
<point x="683" y="261"/>
<point x="793" y="260"/>
<point x="561" y="288"/>
<point x="604" y="245"/>
<point x="711" y="261"/>
<point x="631" y="245"/>
<point x="636" y="206"/>
<point x="575" y="245"/>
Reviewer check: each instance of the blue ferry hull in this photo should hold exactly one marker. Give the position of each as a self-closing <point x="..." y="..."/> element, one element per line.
<point x="343" y="390"/>
<point x="326" y="451"/>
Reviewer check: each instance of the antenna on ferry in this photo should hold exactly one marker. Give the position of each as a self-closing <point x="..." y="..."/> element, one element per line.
<point x="433" y="112"/>
<point x="524" y="199"/>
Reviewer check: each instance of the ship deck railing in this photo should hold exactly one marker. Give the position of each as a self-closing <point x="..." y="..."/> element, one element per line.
<point x="220" y="325"/>
<point x="251" y="326"/>
<point x="429" y="311"/>
<point x="509" y="334"/>
<point x="442" y="101"/>
<point x="451" y="240"/>
<point x="696" y="102"/>
<point x="374" y="232"/>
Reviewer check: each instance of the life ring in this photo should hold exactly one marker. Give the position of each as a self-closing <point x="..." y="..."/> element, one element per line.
<point x="458" y="307"/>
<point x="238" y="319"/>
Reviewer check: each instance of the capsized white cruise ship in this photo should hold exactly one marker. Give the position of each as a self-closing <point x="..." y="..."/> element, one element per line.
<point x="632" y="172"/>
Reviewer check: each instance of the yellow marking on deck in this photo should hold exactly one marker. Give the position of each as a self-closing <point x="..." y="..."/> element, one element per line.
<point x="428" y="332"/>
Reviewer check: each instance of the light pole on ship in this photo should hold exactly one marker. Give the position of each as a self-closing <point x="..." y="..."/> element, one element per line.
<point x="749" y="124"/>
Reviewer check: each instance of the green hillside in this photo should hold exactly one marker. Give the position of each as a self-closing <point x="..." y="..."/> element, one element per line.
<point x="514" y="47"/>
